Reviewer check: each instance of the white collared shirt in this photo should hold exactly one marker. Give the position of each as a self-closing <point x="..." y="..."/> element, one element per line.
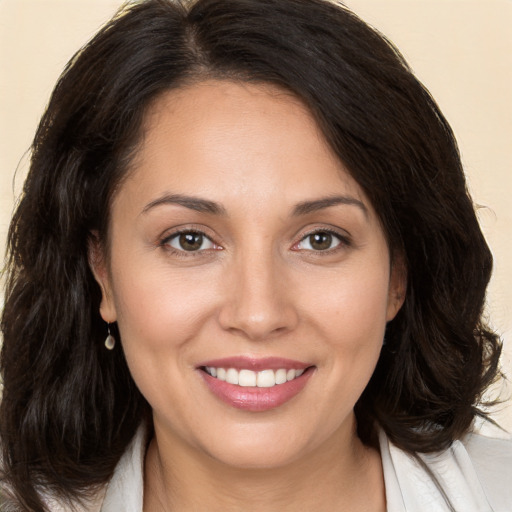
<point x="473" y="475"/>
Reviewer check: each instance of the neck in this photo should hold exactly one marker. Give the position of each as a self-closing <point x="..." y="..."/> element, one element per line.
<point x="335" y="476"/>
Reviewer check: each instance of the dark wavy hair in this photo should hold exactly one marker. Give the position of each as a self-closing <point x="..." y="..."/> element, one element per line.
<point x="69" y="407"/>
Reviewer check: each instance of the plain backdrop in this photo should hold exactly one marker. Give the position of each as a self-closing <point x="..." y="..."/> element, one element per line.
<point x="460" y="49"/>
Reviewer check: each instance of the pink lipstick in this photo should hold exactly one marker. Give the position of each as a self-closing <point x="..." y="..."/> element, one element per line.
<point x="255" y="384"/>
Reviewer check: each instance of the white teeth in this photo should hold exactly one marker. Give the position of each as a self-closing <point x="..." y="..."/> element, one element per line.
<point x="246" y="378"/>
<point x="281" y="376"/>
<point x="266" y="379"/>
<point x="250" y="378"/>
<point x="232" y="376"/>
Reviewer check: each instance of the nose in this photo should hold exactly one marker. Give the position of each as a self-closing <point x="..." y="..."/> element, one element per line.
<point x="258" y="301"/>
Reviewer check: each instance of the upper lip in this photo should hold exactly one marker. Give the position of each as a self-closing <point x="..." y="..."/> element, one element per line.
<point x="255" y="363"/>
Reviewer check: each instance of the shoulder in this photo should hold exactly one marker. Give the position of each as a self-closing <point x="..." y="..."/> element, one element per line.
<point x="473" y="474"/>
<point x="491" y="458"/>
<point x="123" y="492"/>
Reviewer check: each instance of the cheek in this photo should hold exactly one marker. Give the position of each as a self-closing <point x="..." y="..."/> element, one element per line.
<point x="146" y="287"/>
<point x="159" y="314"/>
<point x="158" y="308"/>
<point x="354" y="304"/>
<point x="356" y="327"/>
<point x="351" y="314"/>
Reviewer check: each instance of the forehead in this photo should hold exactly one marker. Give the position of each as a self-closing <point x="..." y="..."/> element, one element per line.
<point x="233" y="140"/>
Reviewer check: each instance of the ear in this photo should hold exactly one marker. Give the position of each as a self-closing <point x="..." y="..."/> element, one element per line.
<point x="98" y="264"/>
<point x="397" y="287"/>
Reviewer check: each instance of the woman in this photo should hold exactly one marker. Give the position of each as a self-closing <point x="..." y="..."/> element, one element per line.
<point x="245" y="274"/>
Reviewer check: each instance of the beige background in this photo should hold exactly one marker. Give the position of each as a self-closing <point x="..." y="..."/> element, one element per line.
<point x="461" y="49"/>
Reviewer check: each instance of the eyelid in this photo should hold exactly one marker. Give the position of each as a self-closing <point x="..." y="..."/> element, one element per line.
<point x="164" y="240"/>
<point x="177" y="236"/>
<point x="343" y="237"/>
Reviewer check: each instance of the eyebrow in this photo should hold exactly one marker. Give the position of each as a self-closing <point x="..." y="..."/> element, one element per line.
<point x="306" y="207"/>
<point x="206" y="206"/>
<point x="192" y="203"/>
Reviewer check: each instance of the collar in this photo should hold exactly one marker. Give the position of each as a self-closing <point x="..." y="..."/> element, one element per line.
<point x="442" y="481"/>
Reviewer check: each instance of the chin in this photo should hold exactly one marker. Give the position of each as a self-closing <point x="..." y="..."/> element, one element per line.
<point x="262" y="457"/>
<point x="266" y="448"/>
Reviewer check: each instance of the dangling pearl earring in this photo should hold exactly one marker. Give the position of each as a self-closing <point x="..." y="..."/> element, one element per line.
<point x="110" y="341"/>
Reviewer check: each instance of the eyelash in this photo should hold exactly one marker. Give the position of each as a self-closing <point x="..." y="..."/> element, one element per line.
<point x="165" y="243"/>
<point x="344" y="242"/>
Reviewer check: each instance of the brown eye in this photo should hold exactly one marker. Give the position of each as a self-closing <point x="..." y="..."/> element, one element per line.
<point x="190" y="241"/>
<point x="319" y="241"/>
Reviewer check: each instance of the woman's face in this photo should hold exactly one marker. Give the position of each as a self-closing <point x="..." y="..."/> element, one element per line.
<point x="241" y="249"/>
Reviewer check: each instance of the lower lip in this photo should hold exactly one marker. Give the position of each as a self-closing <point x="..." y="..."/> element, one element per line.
<point x="256" y="399"/>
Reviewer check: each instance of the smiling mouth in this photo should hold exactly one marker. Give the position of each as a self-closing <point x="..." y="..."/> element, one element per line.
<point x="255" y="385"/>
<point x="249" y="378"/>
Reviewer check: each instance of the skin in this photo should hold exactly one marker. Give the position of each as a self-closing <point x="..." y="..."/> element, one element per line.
<point x="259" y="288"/>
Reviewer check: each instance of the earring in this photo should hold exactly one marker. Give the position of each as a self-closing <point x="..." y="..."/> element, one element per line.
<point x="110" y="341"/>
